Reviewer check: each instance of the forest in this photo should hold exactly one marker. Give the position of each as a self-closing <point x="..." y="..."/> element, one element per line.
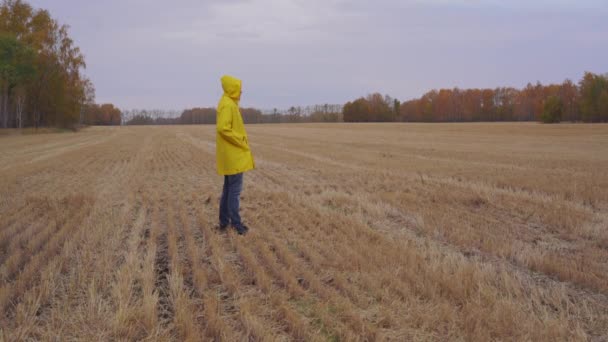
<point x="41" y="79"/>
<point x="586" y="102"/>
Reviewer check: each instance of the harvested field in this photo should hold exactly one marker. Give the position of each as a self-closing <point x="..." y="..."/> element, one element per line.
<point x="358" y="232"/>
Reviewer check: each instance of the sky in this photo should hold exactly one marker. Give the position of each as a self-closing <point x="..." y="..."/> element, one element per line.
<point x="171" y="55"/>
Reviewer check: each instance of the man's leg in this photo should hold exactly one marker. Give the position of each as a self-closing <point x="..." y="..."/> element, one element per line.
<point x="224" y="213"/>
<point x="234" y="193"/>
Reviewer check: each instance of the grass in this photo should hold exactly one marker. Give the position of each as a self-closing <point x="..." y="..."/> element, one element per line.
<point x="358" y="232"/>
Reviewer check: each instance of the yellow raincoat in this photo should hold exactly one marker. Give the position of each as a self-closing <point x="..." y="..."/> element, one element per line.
<point x="232" y="147"/>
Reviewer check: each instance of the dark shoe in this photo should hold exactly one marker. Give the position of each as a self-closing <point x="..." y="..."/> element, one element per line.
<point x="221" y="228"/>
<point x="242" y="230"/>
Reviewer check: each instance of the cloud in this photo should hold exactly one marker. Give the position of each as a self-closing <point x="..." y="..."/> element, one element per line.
<point x="267" y="21"/>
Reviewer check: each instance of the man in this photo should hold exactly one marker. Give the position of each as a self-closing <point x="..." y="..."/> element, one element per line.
<point x="233" y="153"/>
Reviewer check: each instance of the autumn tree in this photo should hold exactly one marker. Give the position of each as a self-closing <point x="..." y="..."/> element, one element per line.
<point x="594" y="97"/>
<point x="41" y="69"/>
<point x="102" y="115"/>
<point x="196" y="116"/>
<point x="568" y="94"/>
<point x="356" y="111"/>
<point x="587" y="102"/>
<point x="552" y="110"/>
<point x="16" y="69"/>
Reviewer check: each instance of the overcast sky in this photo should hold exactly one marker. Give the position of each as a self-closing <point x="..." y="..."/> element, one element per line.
<point x="171" y="54"/>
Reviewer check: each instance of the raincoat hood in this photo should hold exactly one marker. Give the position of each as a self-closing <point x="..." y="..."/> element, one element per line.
<point x="232" y="87"/>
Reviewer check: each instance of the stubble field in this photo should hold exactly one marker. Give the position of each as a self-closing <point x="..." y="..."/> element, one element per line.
<point x="358" y="232"/>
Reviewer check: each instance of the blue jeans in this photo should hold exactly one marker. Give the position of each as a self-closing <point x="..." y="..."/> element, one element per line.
<point x="229" y="204"/>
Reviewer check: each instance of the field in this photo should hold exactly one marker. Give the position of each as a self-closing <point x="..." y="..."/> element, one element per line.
<point x="358" y="232"/>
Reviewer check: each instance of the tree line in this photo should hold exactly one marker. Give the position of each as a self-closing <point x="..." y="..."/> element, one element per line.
<point x="207" y="115"/>
<point x="586" y="101"/>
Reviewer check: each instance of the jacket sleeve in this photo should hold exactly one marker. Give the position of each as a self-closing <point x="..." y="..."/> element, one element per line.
<point x="224" y="128"/>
